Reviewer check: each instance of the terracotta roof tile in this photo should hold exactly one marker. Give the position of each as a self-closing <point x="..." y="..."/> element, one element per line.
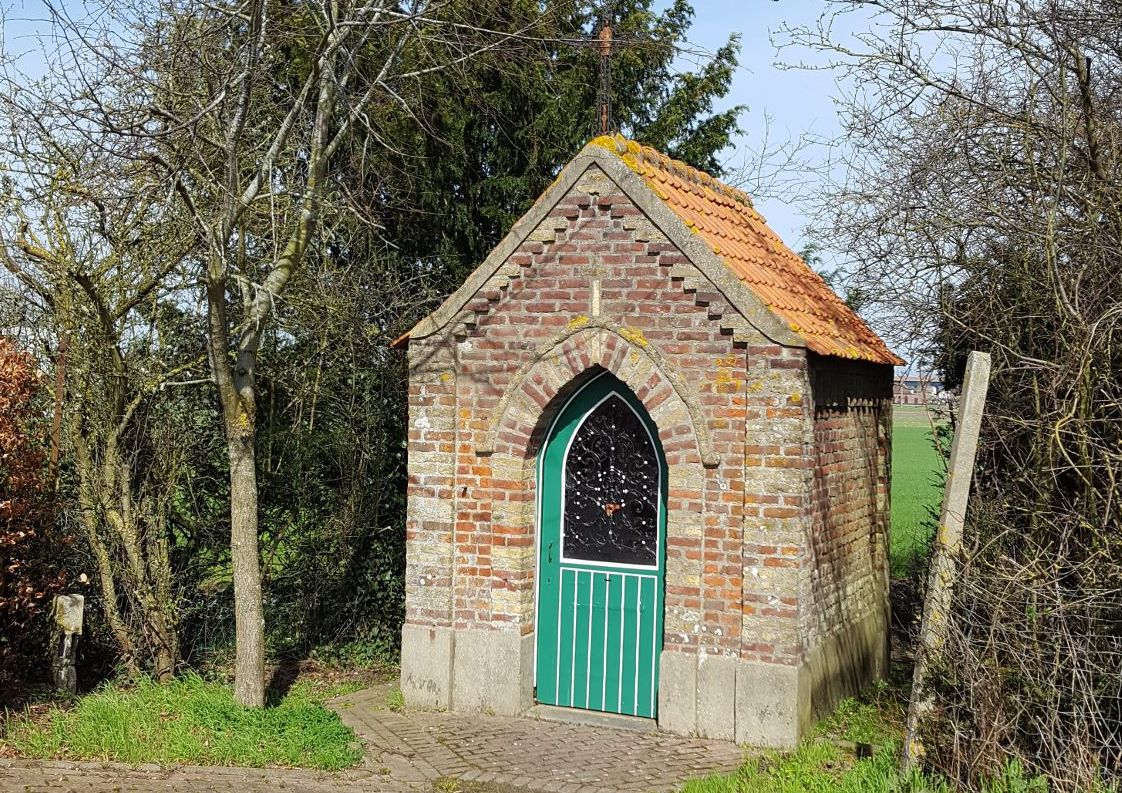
<point x="725" y="218"/>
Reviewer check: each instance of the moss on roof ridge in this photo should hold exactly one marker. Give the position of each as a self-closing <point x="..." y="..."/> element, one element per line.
<point x="635" y="154"/>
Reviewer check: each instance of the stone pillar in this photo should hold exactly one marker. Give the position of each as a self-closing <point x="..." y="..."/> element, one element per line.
<point x="492" y="672"/>
<point x="726" y="698"/>
<point x="68" y="611"/>
<point x="426" y="637"/>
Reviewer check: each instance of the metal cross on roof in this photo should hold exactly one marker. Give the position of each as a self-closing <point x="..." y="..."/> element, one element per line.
<point x="605" y="42"/>
<point x="604" y="90"/>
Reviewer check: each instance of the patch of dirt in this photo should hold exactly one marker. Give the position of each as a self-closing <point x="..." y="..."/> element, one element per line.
<point x="16" y="695"/>
<point x="325" y="675"/>
<point x="311" y="670"/>
<point x="34" y="702"/>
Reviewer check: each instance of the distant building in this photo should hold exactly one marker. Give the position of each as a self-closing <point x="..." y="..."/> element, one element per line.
<point x="918" y="389"/>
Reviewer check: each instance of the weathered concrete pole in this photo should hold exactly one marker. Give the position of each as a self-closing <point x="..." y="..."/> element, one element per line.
<point x="948" y="542"/>
<point x="68" y="612"/>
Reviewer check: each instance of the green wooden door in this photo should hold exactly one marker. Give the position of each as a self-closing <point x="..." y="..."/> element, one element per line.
<point x="602" y="550"/>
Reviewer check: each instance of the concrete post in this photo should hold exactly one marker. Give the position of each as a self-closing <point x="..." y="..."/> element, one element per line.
<point x="68" y="613"/>
<point x="948" y="542"/>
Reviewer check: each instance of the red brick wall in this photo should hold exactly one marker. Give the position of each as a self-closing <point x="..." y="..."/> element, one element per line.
<point x="848" y="549"/>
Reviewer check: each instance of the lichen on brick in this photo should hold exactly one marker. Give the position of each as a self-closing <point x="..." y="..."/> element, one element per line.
<point x="633" y="335"/>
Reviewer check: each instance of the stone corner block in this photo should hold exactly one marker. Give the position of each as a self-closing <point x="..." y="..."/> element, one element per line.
<point x="426" y="666"/>
<point x="716" y="697"/>
<point x="772" y="705"/>
<point x="677" y="693"/>
<point x="493" y="672"/>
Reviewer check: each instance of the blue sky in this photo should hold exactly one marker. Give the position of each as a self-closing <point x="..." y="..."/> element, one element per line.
<point x="798" y="101"/>
<point x="780" y="104"/>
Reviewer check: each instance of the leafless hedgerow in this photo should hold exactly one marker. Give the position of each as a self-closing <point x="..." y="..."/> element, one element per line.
<point x="981" y="206"/>
<point x="91" y="272"/>
<point x="1033" y="665"/>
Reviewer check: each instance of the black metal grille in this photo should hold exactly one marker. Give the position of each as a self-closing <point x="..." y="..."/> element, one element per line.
<point x="611" y="489"/>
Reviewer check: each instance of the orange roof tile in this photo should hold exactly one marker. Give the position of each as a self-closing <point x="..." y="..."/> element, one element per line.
<point x="725" y="218"/>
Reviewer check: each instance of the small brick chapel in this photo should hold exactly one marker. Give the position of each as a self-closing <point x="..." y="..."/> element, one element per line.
<point x="648" y="467"/>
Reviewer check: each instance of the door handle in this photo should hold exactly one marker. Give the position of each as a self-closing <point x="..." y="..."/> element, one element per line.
<point x="550" y="553"/>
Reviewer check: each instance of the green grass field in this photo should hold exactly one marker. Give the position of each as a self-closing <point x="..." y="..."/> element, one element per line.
<point x="820" y="764"/>
<point x="916" y="485"/>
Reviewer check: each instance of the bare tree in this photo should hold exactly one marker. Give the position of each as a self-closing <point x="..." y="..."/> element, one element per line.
<point x="982" y="208"/>
<point x="242" y="108"/>
<point x="94" y="256"/>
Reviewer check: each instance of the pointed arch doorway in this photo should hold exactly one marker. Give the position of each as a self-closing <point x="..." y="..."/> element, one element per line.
<point x="602" y="549"/>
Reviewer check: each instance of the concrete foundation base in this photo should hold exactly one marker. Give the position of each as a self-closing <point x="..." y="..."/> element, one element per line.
<point x="847" y="662"/>
<point x="469" y="671"/>
<point x="769" y="705"/>
<point x="426" y="667"/>
<point x="721" y="697"/>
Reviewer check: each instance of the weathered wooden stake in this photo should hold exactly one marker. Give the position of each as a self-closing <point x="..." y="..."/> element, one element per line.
<point x="68" y="613"/>
<point x="948" y="541"/>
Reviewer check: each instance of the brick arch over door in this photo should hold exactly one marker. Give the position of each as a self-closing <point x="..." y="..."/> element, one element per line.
<point x="520" y="429"/>
<point x="628" y="357"/>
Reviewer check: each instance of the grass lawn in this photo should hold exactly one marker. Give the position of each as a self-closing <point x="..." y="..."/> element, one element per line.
<point x="825" y="762"/>
<point x="821" y="764"/>
<point x="916" y="485"/>
<point x="190" y="720"/>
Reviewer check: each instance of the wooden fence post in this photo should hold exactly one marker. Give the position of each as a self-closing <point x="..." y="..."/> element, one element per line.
<point x="948" y="542"/>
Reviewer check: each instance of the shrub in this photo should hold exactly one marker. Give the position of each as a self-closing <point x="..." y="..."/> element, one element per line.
<point x="29" y="576"/>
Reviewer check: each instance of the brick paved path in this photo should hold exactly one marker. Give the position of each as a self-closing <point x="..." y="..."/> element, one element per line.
<point x="408" y="753"/>
<point x="528" y="754"/>
<point x="29" y="776"/>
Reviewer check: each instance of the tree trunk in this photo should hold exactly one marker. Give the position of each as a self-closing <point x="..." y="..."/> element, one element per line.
<point x="237" y="396"/>
<point x="165" y="623"/>
<point x="237" y="387"/>
<point x="88" y="482"/>
<point x="167" y="649"/>
<point x="249" y="666"/>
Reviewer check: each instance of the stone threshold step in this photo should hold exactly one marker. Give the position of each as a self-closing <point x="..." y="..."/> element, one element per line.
<point x="592" y="718"/>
